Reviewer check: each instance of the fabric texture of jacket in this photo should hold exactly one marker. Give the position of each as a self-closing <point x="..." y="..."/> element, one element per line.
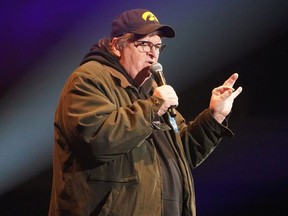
<point x="105" y="162"/>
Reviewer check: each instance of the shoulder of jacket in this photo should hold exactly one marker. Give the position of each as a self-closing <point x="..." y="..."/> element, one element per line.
<point x="100" y="71"/>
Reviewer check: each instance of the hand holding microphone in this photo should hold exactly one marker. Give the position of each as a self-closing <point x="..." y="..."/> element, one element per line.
<point x="164" y="91"/>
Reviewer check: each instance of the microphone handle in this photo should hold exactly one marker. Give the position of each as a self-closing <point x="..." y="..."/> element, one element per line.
<point x="160" y="79"/>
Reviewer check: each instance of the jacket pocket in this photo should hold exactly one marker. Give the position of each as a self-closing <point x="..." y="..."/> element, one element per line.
<point x="121" y="200"/>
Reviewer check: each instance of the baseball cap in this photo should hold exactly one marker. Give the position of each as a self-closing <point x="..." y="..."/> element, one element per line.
<point x="141" y="22"/>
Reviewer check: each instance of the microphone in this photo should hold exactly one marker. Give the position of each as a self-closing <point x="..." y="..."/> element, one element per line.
<point x="157" y="71"/>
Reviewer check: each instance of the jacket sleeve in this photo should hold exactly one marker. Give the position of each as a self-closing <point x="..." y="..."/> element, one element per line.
<point x="99" y="120"/>
<point x="201" y="136"/>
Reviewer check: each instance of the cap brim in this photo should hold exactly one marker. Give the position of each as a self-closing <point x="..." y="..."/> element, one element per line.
<point x="165" y="30"/>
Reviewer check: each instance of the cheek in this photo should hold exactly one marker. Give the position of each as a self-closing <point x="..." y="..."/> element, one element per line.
<point x="156" y="58"/>
<point x="135" y="59"/>
<point x="128" y="55"/>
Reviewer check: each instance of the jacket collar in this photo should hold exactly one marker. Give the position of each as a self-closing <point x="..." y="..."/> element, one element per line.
<point x="116" y="69"/>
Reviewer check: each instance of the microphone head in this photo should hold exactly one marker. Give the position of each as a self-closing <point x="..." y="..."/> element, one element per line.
<point x="156" y="67"/>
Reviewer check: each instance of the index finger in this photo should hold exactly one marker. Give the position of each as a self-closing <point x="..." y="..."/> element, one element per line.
<point x="231" y="80"/>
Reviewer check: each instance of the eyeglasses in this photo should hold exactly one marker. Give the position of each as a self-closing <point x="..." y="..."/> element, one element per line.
<point x="146" y="46"/>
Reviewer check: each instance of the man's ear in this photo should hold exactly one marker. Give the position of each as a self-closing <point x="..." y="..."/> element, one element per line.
<point x="115" y="47"/>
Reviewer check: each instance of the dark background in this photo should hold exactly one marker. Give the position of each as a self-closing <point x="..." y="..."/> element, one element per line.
<point x="42" y="42"/>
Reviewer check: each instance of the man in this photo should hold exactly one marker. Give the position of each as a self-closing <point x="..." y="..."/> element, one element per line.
<point x="117" y="150"/>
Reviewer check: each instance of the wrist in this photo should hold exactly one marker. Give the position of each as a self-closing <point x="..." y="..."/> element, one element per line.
<point x="218" y="116"/>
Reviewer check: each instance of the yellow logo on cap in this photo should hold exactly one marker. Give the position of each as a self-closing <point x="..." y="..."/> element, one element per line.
<point x="150" y="16"/>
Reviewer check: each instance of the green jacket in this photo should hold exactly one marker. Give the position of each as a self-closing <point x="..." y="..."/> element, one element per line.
<point x="104" y="161"/>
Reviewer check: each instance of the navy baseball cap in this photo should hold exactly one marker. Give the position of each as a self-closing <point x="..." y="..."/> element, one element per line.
<point x="141" y="22"/>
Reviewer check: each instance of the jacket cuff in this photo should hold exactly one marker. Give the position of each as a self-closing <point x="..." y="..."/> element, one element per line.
<point x="220" y="129"/>
<point x="156" y="103"/>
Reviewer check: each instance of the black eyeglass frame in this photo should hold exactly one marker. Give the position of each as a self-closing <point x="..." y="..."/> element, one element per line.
<point x="145" y="45"/>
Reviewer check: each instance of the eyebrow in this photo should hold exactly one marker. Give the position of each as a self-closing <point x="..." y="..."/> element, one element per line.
<point x="143" y="41"/>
